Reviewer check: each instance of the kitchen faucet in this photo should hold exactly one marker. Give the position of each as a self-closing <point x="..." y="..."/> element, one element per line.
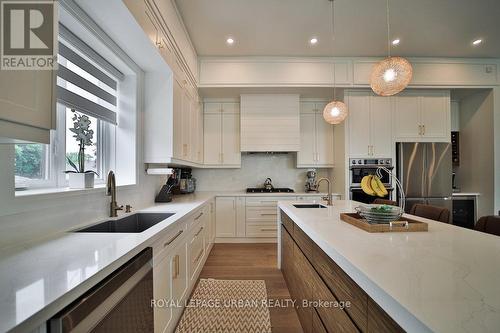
<point x="111" y="191"/>
<point x="329" y="197"/>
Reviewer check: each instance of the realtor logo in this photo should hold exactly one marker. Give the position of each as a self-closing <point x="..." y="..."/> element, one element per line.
<point x="29" y="35"/>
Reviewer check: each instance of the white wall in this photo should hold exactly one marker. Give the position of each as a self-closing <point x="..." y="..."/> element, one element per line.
<point x="476" y="171"/>
<point x="255" y="168"/>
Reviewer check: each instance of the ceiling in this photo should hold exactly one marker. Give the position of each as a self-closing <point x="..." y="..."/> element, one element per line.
<point x="427" y="28"/>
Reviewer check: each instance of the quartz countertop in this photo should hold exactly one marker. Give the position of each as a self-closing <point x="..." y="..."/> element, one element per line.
<point x="41" y="279"/>
<point x="443" y="280"/>
<point x="38" y="280"/>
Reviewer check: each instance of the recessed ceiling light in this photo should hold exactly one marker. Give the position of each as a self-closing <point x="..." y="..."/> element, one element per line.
<point x="230" y="41"/>
<point x="313" y="40"/>
<point x="396" y="41"/>
<point x="477" y="42"/>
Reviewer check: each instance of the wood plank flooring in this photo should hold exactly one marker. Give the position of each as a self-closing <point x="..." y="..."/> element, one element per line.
<point x="254" y="262"/>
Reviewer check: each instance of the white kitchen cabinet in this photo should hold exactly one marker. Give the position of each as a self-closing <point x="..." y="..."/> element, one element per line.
<point x="221" y="131"/>
<point x="316" y="137"/>
<point x="27" y="105"/>
<point x="162" y="289"/>
<point x="369" y="124"/>
<point x="225" y="214"/>
<point x="422" y="116"/>
<point x="455" y="115"/>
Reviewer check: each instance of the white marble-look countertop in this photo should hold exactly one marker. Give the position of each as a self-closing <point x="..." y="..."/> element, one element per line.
<point x="41" y="279"/>
<point x="443" y="280"/>
<point x="38" y="280"/>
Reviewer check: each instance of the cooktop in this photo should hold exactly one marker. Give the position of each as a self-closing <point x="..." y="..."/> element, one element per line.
<point x="273" y="190"/>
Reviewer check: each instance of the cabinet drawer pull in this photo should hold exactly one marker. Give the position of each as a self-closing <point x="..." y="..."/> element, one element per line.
<point x="176" y="266"/>
<point x="197" y="217"/>
<point x="196" y="235"/>
<point x="268" y="214"/>
<point x="198" y="256"/>
<point x="173" y="238"/>
<point x="264" y="201"/>
<point x="268" y="229"/>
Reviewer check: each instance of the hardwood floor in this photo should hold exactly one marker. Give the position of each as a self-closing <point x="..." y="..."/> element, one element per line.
<point x="254" y="262"/>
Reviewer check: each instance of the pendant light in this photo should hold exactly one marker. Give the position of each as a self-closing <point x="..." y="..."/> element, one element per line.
<point x="335" y="112"/>
<point x="393" y="74"/>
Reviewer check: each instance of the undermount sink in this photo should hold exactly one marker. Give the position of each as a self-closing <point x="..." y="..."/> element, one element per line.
<point x="134" y="223"/>
<point x="309" y="206"/>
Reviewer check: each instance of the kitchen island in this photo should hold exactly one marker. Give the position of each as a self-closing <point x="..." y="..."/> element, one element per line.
<point x="443" y="280"/>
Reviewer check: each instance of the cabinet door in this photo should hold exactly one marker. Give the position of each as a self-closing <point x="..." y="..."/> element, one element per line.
<point x="324" y="142"/>
<point x="177" y="126"/>
<point x="162" y="290"/>
<point x="230" y="107"/>
<point x="231" y="152"/>
<point x="381" y="126"/>
<point x="435" y="113"/>
<point x="212" y="133"/>
<point x="186" y="124"/>
<point x="178" y="267"/>
<point x="306" y="156"/>
<point x="199" y="158"/>
<point x="359" y="124"/>
<point x="225" y="217"/>
<point x="26" y="97"/>
<point x="194" y="131"/>
<point x="406" y="117"/>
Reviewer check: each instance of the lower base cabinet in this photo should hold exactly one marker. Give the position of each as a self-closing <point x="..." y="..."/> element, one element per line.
<point x="177" y="262"/>
<point x="327" y="299"/>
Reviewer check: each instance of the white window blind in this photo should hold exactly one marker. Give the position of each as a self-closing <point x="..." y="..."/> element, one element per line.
<point x="86" y="82"/>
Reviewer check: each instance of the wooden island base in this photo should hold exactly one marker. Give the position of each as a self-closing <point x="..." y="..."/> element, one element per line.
<point x="328" y="300"/>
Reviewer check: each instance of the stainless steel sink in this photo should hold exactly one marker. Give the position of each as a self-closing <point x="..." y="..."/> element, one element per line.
<point x="309" y="206"/>
<point x="135" y="223"/>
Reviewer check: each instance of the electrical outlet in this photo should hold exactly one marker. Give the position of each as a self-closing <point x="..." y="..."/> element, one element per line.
<point x="488" y="69"/>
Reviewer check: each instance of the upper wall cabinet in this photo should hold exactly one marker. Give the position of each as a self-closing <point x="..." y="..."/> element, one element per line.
<point x="27" y="106"/>
<point x="161" y="23"/>
<point x="316" y="137"/>
<point x="422" y="115"/>
<point x="369" y="124"/>
<point x="221" y="133"/>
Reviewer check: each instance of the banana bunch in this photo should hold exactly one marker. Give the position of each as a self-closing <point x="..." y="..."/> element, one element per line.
<point x="372" y="185"/>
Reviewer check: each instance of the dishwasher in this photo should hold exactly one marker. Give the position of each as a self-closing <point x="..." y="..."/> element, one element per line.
<point x="119" y="303"/>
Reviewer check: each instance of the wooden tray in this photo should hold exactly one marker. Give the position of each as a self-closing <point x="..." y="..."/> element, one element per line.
<point x="403" y="225"/>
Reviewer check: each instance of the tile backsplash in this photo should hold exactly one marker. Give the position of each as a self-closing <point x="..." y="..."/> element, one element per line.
<point x="255" y="168"/>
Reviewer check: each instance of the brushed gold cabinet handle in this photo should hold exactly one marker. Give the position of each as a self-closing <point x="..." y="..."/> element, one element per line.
<point x="268" y="214"/>
<point x="199" y="231"/>
<point x="173" y="238"/>
<point x="423" y="129"/>
<point x="268" y="229"/>
<point x="197" y="217"/>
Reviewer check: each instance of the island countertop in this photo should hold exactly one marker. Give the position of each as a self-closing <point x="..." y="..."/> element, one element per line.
<point x="443" y="280"/>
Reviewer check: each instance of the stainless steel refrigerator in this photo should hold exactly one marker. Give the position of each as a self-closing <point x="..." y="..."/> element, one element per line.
<point x="425" y="172"/>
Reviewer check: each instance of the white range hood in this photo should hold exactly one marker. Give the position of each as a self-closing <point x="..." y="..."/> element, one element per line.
<point x="270" y="123"/>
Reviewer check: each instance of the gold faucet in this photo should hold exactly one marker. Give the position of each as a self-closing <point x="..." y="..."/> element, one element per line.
<point x="329" y="197"/>
<point x="111" y="191"/>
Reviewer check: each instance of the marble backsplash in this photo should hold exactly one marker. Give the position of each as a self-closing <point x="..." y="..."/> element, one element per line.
<point x="255" y="168"/>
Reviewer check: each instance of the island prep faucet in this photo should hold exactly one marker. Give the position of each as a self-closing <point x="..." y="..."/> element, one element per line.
<point x="329" y="197"/>
<point x="111" y="191"/>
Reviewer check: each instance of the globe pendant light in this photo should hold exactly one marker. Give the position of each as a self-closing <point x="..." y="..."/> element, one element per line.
<point x="393" y="74"/>
<point x="334" y="112"/>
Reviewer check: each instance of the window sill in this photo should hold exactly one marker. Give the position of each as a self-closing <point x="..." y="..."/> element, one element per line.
<point x="65" y="191"/>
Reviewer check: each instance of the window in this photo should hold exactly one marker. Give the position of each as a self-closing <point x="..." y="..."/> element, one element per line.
<point x="86" y="84"/>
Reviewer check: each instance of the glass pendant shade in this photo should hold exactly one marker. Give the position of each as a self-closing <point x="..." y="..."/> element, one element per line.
<point x="335" y="112"/>
<point x="390" y="76"/>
